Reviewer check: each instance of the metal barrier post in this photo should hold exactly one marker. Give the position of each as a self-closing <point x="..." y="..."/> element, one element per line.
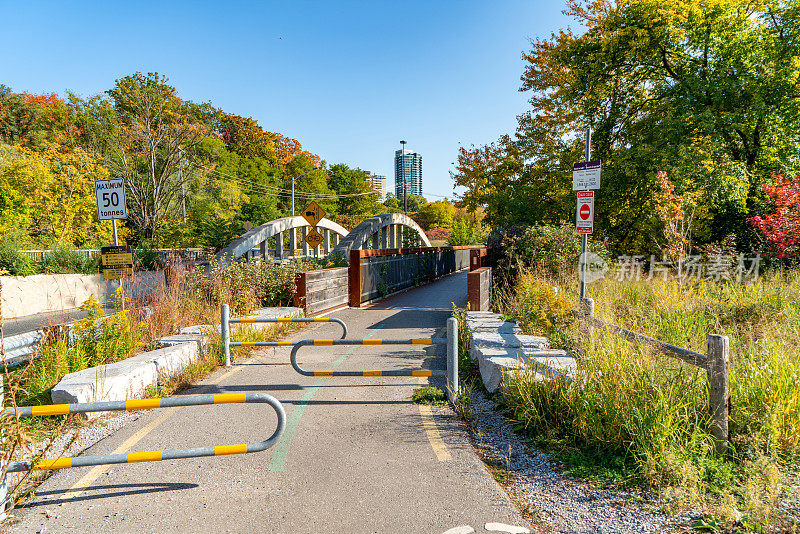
<point x="717" y="368"/>
<point x="5" y="503"/>
<point x="225" y="330"/>
<point x="452" y="358"/>
<point x="147" y="404"/>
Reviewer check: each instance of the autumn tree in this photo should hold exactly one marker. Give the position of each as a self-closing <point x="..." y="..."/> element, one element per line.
<point x="50" y="194"/>
<point x="781" y="229"/>
<point x="437" y="214"/>
<point x="143" y="130"/>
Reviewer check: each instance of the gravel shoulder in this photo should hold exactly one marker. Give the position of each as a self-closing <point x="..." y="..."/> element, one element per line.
<point x="552" y="501"/>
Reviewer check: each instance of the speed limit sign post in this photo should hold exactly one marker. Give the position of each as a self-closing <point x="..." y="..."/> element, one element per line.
<point x="111" y="204"/>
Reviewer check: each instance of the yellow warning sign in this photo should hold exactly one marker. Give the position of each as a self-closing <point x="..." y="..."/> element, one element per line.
<point x="124" y="258"/>
<point x="314" y="238"/>
<point x="118" y="272"/>
<point x="313" y="213"/>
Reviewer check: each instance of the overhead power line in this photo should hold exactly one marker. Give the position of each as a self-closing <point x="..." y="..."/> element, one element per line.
<point x="255" y="187"/>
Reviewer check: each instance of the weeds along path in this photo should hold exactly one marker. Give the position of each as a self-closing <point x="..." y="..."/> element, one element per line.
<point x="357" y="454"/>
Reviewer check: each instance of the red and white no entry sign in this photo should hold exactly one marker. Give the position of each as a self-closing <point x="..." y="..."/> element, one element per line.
<point x="584" y="222"/>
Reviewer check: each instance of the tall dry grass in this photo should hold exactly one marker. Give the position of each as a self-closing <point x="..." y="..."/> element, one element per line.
<point x="629" y="401"/>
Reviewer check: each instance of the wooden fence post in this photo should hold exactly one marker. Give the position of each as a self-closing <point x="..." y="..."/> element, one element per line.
<point x="717" y="368"/>
<point x="587" y="309"/>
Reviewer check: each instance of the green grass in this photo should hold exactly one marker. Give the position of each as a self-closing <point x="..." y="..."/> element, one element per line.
<point x="429" y="395"/>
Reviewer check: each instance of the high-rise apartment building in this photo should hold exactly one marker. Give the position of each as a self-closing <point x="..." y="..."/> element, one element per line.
<point x="378" y="182"/>
<point x="407" y="173"/>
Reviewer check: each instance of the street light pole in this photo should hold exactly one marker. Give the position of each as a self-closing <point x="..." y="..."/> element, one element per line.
<point x="403" y="175"/>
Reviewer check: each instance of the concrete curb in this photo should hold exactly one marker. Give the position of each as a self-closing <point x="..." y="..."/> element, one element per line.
<point x="501" y="350"/>
<point x="129" y="378"/>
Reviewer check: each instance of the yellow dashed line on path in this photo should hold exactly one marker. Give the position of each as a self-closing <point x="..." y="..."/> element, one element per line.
<point x="435" y="439"/>
<point x="97" y="470"/>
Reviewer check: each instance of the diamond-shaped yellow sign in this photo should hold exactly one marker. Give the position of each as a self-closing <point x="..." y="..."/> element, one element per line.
<point x="313" y="213"/>
<point x="314" y="238"/>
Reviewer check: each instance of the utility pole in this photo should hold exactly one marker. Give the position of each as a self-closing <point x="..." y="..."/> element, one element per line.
<point x="180" y="177"/>
<point x="585" y="237"/>
<point x="293" y="180"/>
<point x="403" y="176"/>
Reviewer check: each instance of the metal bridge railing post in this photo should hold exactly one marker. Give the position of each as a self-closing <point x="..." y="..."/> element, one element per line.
<point x="452" y="358"/>
<point x="225" y="330"/>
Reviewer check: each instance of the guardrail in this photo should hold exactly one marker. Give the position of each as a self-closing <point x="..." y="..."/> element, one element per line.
<point x="452" y="357"/>
<point x="18" y="348"/>
<point x="193" y="254"/>
<point x="715" y="362"/>
<point x="226" y="321"/>
<point x="146" y="456"/>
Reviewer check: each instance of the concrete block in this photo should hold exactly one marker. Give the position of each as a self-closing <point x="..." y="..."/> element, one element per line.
<point x="494" y="362"/>
<point x="276" y="312"/>
<point x="170" y="360"/>
<point x="201" y="340"/>
<point x="491" y="322"/>
<point x="514" y="341"/>
<point x="200" y="330"/>
<point x="117" y="381"/>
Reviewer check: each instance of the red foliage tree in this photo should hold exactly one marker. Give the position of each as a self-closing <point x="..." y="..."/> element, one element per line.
<point x="781" y="229"/>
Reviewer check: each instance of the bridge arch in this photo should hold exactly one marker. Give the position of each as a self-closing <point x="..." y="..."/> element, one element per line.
<point x="380" y="231"/>
<point x="241" y="246"/>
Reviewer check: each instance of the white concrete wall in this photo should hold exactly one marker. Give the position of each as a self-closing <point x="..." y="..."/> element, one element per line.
<point x="29" y="295"/>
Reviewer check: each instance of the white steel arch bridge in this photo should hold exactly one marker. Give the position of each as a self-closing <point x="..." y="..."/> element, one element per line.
<point x="388" y="230"/>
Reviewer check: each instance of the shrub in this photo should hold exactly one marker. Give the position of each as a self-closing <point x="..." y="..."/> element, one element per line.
<point x="547" y="251"/>
<point x="539" y="309"/>
<point x="12" y="261"/>
<point x="466" y="232"/>
<point x="439" y="234"/>
<point x="61" y="260"/>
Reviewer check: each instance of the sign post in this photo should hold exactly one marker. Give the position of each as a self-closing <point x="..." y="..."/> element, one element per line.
<point x="585" y="177"/>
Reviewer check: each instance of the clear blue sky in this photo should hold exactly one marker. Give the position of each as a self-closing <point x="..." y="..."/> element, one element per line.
<point x="348" y="79"/>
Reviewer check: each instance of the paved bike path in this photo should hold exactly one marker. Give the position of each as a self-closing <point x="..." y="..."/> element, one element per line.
<point x="357" y="455"/>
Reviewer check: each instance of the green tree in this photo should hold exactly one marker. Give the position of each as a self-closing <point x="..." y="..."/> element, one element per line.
<point x="50" y="194"/>
<point x="705" y="91"/>
<point x="356" y="194"/>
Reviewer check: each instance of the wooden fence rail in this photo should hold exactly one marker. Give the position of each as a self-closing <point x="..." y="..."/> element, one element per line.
<point x="715" y="362"/>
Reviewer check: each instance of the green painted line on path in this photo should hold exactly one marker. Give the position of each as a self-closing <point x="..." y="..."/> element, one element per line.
<point x="278" y="460"/>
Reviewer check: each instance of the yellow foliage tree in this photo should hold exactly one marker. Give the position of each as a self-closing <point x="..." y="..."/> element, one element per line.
<point x="56" y="186"/>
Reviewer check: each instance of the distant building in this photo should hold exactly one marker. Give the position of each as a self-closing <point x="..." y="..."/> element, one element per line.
<point x="407" y="173"/>
<point x="378" y="182"/>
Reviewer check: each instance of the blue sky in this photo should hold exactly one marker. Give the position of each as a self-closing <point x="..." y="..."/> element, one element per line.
<point x="348" y="79"/>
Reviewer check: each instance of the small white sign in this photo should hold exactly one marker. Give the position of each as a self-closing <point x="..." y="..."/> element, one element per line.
<point x="586" y="175"/>
<point x="584" y="220"/>
<point x="110" y="199"/>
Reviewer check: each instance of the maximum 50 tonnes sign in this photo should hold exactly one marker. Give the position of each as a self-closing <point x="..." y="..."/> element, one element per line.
<point x="110" y="199"/>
